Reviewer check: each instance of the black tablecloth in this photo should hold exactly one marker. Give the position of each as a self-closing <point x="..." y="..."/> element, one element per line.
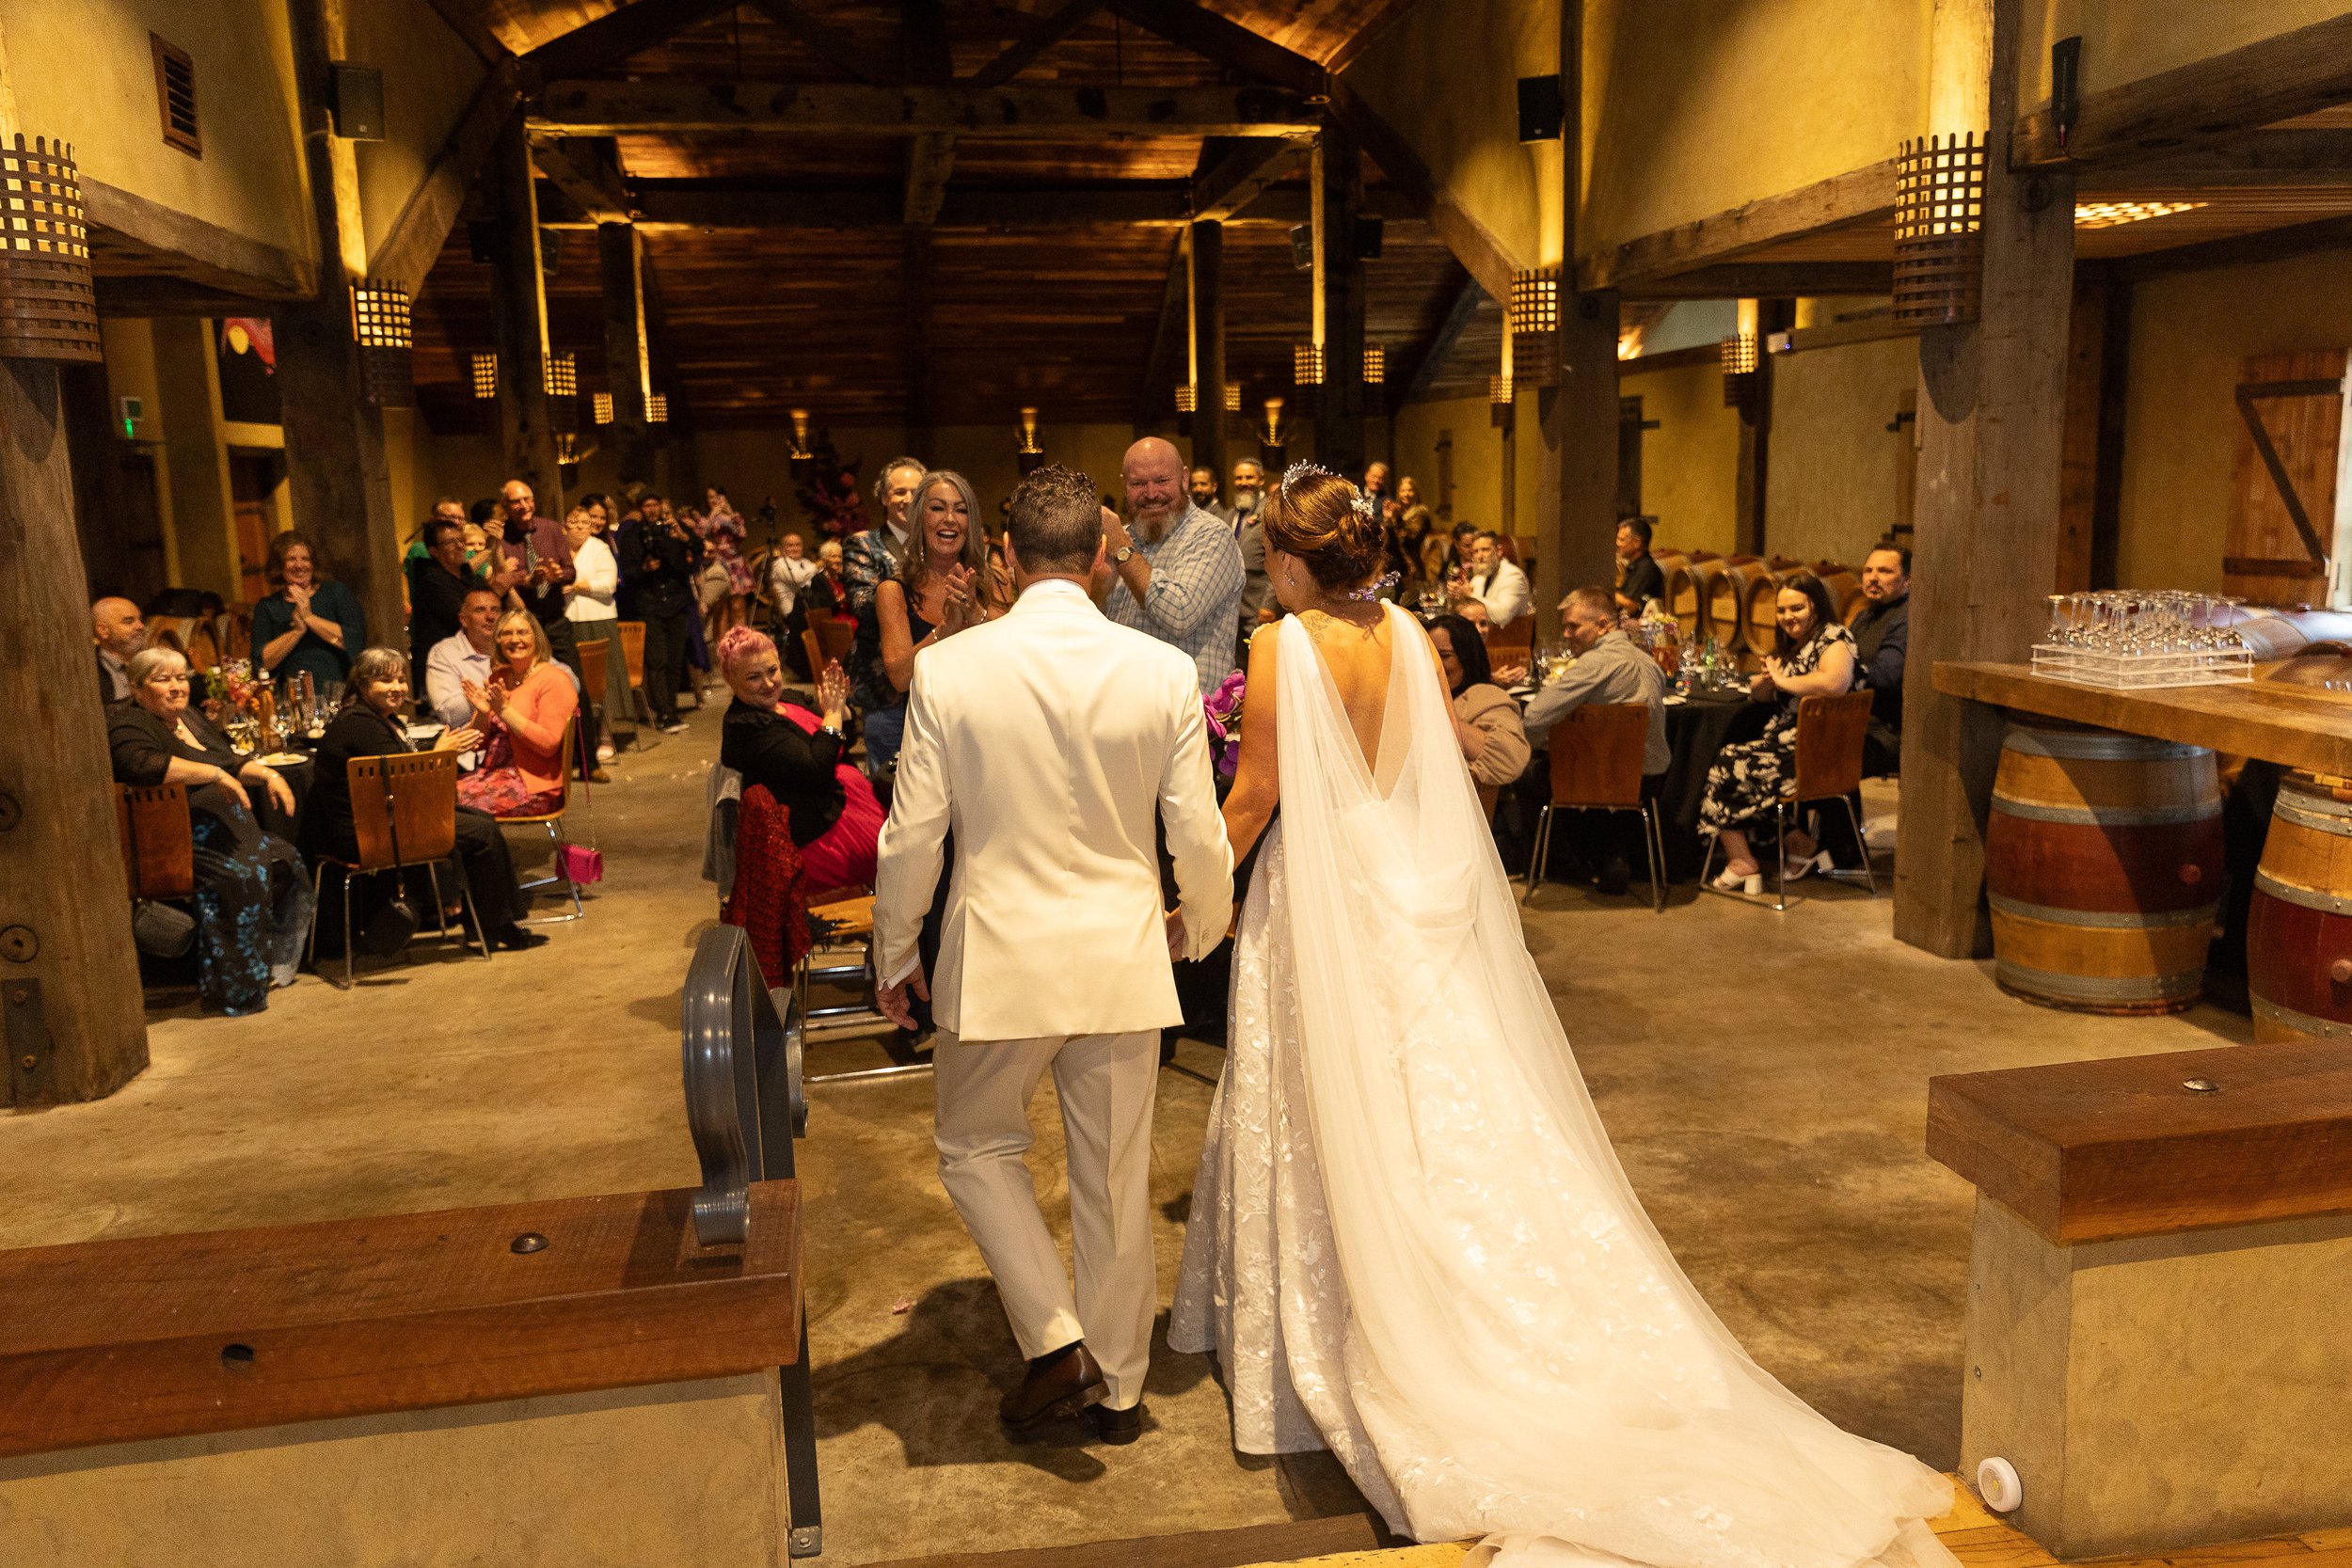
<point x="1697" y="730"/>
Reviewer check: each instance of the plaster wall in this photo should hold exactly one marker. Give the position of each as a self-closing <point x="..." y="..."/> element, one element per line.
<point x="1690" y="462"/>
<point x="1477" y="460"/>
<point x="202" y="518"/>
<point x="129" y="345"/>
<point x="2126" y="42"/>
<point x="1830" y="484"/>
<point x="2191" y="333"/>
<point x="430" y="75"/>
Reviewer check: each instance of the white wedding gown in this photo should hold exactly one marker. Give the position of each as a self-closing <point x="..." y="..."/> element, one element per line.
<point x="1411" y="1238"/>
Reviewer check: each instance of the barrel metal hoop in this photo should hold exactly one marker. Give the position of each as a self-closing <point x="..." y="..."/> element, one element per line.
<point x="2130" y="920"/>
<point x="2107" y="817"/>
<point x="2303" y="1023"/>
<point x="2310" y="899"/>
<point x="2100" y="988"/>
<point x="2321" y="816"/>
<point x="2091" y="746"/>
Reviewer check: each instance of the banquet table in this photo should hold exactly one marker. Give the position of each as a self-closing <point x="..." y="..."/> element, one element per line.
<point x="1697" y="730"/>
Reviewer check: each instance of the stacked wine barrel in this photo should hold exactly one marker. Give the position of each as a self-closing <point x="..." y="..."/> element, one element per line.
<point x="2298" y="926"/>
<point x="1733" y="597"/>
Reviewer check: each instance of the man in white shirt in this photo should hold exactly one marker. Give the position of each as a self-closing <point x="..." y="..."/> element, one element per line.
<point x="466" y="657"/>
<point x="588" y="609"/>
<point x="1497" y="583"/>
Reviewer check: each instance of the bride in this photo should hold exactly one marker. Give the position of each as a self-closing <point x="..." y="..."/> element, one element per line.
<point x="1410" y="1240"/>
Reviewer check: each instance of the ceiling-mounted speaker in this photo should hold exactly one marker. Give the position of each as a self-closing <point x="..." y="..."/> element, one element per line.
<point x="354" y="97"/>
<point x="1543" y="108"/>
<point x="1370" y="229"/>
<point x="1303" y="246"/>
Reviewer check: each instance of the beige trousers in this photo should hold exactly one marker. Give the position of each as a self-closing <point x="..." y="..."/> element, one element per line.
<point x="1105" y="1083"/>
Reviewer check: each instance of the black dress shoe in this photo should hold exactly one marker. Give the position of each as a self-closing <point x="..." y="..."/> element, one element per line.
<point x="1120" y="1427"/>
<point x="515" y="939"/>
<point x="1060" y="1383"/>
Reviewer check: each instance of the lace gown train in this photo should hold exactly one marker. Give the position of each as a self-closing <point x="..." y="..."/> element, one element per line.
<point x="1411" y="1241"/>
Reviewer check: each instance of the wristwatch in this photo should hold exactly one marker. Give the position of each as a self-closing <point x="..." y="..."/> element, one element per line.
<point x="834" y="731"/>
<point x="1119" y="555"/>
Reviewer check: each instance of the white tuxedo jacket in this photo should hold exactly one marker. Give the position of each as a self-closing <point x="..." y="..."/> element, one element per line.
<point x="1050" y="740"/>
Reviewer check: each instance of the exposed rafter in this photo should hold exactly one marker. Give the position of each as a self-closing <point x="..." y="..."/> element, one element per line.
<point x="840" y="50"/>
<point x="1229" y="43"/>
<point x="587" y="109"/>
<point x="929" y="160"/>
<point x="1419" y="372"/>
<point x="2264" y="160"/>
<point x="722" y="204"/>
<point x="1066" y="18"/>
<point x="611" y="38"/>
<point x="407" y="249"/>
<point x="1240" y="174"/>
<point x="585" y="169"/>
<point x="1861" y="195"/>
<point x="1472" y="243"/>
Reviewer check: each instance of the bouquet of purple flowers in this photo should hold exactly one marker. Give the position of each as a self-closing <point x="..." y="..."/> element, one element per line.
<point x="1221" y="708"/>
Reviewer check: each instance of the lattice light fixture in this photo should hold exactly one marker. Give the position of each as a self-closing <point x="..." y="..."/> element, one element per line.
<point x="600" y="407"/>
<point x="1306" y="364"/>
<point x="1499" y="401"/>
<point x="1938" y="231"/>
<point x="657" y="408"/>
<point x="48" y="306"/>
<point x="388" y="340"/>
<point x="801" y="450"/>
<point x="1375" y="364"/>
<point x="562" y="376"/>
<point x="1739" y="370"/>
<point x="2110" y="214"/>
<point x="1187" y="398"/>
<point x="485" y="375"/>
<point x="1233" y="397"/>
<point x="1535" y="326"/>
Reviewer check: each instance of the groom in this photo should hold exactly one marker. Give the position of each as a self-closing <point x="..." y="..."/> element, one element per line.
<point x="1048" y="740"/>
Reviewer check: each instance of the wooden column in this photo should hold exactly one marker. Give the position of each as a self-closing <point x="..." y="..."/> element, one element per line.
<point x="1992" y="425"/>
<point x="71" y="1017"/>
<point x="2097" y="362"/>
<point x="914" y="336"/>
<point x="622" y="269"/>
<point x="337" y="479"/>
<point x="1340" y="408"/>
<point x="1755" y="427"/>
<point x="1208" y="350"/>
<point x="518" y="311"/>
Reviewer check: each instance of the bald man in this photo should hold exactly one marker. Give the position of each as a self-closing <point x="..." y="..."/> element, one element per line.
<point x="119" y="631"/>
<point x="1176" y="569"/>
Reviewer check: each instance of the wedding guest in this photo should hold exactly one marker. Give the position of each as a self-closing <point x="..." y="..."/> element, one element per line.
<point x="660" y="560"/>
<point x="588" y="606"/>
<point x="521" y="712"/>
<point x="538" y="563"/>
<point x="802" y="759"/>
<point x="1497" y="583"/>
<point x="310" y="623"/>
<point x="1812" y="657"/>
<point x="369" y="724"/>
<point x="1474" y="612"/>
<point x="438" y="587"/>
<point x="790" y="571"/>
<point x="1640" y="579"/>
<point x="1248" y="488"/>
<point x="1257" y="591"/>
<point x="1375" y="483"/>
<point x="877" y="553"/>
<point x="726" y="580"/>
<point x="1487" y="720"/>
<point x="1453" y="552"/>
<point x="827" y="592"/>
<point x="942" y="586"/>
<point x="120" y="633"/>
<point x="1882" y="633"/>
<point x="1608" y="668"/>
<point x="1201" y="485"/>
<point x="463" y="658"/>
<point x="252" y="899"/>
<point x="1178" y="574"/>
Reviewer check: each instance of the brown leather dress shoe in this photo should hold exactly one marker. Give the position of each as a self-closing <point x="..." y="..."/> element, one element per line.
<point x="1061" y="1382"/>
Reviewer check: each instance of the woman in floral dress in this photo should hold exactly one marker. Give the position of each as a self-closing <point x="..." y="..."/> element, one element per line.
<point x="1812" y="657"/>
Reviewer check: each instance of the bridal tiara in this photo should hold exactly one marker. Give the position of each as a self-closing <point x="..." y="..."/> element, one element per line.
<point x="1303" y="470"/>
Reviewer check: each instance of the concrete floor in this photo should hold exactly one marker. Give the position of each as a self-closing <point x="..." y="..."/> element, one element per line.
<point x="1764" y="1076"/>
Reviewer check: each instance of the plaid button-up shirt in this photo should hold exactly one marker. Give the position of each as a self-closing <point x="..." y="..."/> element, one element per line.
<point x="1195" y="598"/>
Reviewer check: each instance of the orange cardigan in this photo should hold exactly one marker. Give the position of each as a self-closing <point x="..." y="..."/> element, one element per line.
<point x="536" y="712"/>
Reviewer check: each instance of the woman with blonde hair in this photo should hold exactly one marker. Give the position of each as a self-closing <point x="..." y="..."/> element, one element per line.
<point x="942" y="587"/>
<point x="521" y="712"/>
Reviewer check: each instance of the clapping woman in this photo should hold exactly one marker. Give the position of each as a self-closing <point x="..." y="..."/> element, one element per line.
<point x="310" y="621"/>
<point x="943" y="586"/>
<point x="521" y="712"/>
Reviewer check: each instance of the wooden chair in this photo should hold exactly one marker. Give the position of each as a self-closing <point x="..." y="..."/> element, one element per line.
<point x="834" y="639"/>
<point x="553" y="822"/>
<point x="843" y="960"/>
<point x="633" y="656"/>
<point x="1596" y="766"/>
<point x="1513" y="638"/>
<point x="1828" y="765"/>
<point x="403" y="813"/>
<point x="158" y="840"/>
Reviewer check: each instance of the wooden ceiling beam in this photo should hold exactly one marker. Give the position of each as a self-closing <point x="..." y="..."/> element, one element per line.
<point x="2235" y="250"/>
<point x="1482" y="255"/>
<point x="612" y="107"/>
<point x="706" y="204"/>
<point x="586" y="169"/>
<point x="1241" y="174"/>
<point x="838" y="48"/>
<point x="414" y="241"/>
<point x="2207" y="102"/>
<point x="466" y="23"/>
<point x="1229" y="43"/>
<point x="1768" y="280"/>
<point x="2264" y="161"/>
<point x="611" y="38"/>
<point x="1419" y="370"/>
<point x="1861" y="195"/>
<point x="929" y="160"/>
<point x="923" y="30"/>
<point x="1023" y="53"/>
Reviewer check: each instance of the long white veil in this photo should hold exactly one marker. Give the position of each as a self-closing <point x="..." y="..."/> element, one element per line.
<point x="1529" y="1360"/>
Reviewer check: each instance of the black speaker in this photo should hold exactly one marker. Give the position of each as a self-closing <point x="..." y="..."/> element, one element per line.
<point x="1543" y="110"/>
<point x="1370" y="227"/>
<point x="356" y="99"/>
<point x="1303" y="248"/>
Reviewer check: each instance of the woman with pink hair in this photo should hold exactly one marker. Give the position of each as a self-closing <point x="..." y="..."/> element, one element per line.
<point x="801" y="757"/>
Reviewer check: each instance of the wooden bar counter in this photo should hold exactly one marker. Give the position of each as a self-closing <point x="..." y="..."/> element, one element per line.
<point x="2300" y="726"/>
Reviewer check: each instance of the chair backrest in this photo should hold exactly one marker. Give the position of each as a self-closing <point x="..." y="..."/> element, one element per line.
<point x="835" y="637"/>
<point x="408" y="797"/>
<point x="158" y="840"/>
<point x="633" y="650"/>
<point x="813" y="647"/>
<point x="1596" y="754"/>
<point x="595" y="658"/>
<point x="1519" y="634"/>
<point x="1830" y="732"/>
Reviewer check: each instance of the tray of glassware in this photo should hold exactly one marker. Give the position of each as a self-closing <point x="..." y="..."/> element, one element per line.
<point x="2138" y="637"/>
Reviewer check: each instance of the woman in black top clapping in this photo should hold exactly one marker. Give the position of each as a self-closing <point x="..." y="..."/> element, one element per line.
<point x="799" y="755"/>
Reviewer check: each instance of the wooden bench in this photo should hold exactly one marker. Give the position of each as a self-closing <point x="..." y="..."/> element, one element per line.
<point x="588" y="1379"/>
<point x="2162" y="1252"/>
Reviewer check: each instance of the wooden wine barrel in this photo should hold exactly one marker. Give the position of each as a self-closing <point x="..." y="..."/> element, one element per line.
<point x="1845" y="591"/>
<point x="1760" y="616"/>
<point x="1688" y="590"/>
<point x="2103" y="863"/>
<point x="2299" y="928"/>
<point x="1727" y="600"/>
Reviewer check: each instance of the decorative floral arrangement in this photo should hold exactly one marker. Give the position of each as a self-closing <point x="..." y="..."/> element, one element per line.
<point x="1221" y="708"/>
<point x="827" y="489"/>
<point x="232" y="683"/>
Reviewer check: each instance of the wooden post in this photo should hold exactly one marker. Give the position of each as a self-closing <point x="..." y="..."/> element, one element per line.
<point x="519" y="309"/>
<point x="1208" y="347"/>
<point x="1991" y="428"/>
<point x="914" y="336"/>
<point x="1340" y="407"/>
<point x="1765" y="317"/>
<point x="339" y="479"/>
<point x="71" y="1017"/>
<point x="622" y="268"/>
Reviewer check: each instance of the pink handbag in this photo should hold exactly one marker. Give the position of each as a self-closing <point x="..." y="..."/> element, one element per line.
<point x="579" y="865"/>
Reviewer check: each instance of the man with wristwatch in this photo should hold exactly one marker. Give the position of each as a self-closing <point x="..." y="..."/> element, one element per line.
<point x="1177" y="574"/>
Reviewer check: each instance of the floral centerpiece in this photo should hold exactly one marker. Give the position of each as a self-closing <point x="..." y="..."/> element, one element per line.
<point x="1221" y="708"/>
<point x="827" y="489"/>
<point x="231" y="684"/>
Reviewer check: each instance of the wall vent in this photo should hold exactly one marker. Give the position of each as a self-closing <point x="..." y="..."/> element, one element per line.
<point x="175" y="95"/>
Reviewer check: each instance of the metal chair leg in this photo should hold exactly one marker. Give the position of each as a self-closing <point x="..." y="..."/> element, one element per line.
<point x="1650" y="853"/>
<point x="1868" y="874"/>
<point x="440" y="910"/>
<point x="318" y="880"/>
<point x="1780" y="848"/>
<point x="1657" y="828"/>
<point x="802" y="1498"/>
<point x="347" y="954"/>
<point x="1537" y="852"/>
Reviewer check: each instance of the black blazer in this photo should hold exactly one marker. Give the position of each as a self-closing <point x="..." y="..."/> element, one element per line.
<point x="436" y="594"/>
<point x="144" y="744"/>
<point x="797" y="768"/>
<point x="358" y="731"/>
<point x="659" y="566"/>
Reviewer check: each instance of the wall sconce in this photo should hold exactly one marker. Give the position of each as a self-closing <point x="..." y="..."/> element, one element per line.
<point x="1029" y="456"/>
<point x="386" y="339"/>
<point x="1536" y="328"/>
<point x="567" y="451"/>
<point x="1187" y="398"/>
<point x="1306" y="364"/>
<point x="1498" y="404"/>
<point x="600" y="407"/>
<point x="800" y="453"/>
<point x="1233" y="397"/>
<point x="1739" y="371"/>
<point x="48" y="306"/>
<point x="1938" y="231"/>
<point x="485" y="375"/>
<point x="1270" y="439"/>
<point x="563" y="384"/>
<point x="1375" y="364"/>
<point x="657" y="408"/>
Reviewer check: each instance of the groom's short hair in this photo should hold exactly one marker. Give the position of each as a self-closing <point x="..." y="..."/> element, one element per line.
<point x="1056" y="522"/>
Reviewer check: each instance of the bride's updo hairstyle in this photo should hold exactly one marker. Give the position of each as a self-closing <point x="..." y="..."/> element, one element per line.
<point x="1319" y="517"/>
